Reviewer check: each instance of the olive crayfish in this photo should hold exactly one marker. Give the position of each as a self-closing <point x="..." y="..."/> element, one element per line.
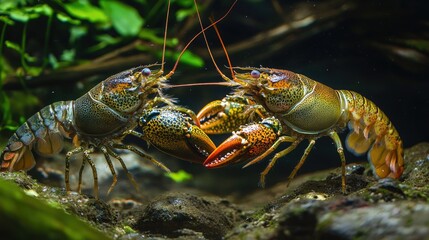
<point x="99" y="120"/>
<point x="102" y="117"/>
<point x="273" y="106"/>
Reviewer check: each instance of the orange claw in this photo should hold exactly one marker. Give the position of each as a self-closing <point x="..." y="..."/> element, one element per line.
<point x="250" y="142"/>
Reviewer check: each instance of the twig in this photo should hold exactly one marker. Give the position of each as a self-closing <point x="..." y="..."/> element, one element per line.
<point x="117" y="52"/>
<point x="78" y="73"/>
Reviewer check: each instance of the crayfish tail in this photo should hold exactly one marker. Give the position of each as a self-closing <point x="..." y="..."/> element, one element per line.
<point x="386" y="162"/>
<point x="373" y="132"/>
<point x="20" y="158"/>
<point x="43" y="132"/>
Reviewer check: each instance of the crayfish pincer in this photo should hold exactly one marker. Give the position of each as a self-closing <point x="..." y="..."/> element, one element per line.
<point x="176" y="131"/>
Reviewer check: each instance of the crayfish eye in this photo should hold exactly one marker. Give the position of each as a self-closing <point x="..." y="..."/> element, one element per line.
<point x="255" y="74"/>
<point x="146" y="72"/>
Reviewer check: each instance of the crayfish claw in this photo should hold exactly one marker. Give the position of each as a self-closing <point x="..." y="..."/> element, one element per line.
<point x="175" y="131"/>
<point x="252" y="142"/>
<point x="230" y="151"/>
<point x="226" y="115"/>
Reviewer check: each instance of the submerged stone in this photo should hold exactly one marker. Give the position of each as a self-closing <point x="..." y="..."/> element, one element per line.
<point x="174" y="213"/>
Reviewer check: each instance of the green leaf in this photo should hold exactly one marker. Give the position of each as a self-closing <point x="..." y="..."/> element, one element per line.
<point x="33" y="71"/>
<point x="6" y="20"/>
<point x="7" y="4"/>
<point x="76" y="32"/>
<point x="13" y="46"/>
<point x="187" y="58"/>
<point x="184" y="13"/>
<point x="17" y="48"/>
<point x="125" y="19"/>
<point x="180" y="176"/>
<point x="129" y="230"/>
<point x="19" y="15"/>
<point x="64" y="18"/>
<point x="153" y="38"/>
<point x="42" y="9"/>
<point x="104" y="41"/>
<point x="85" y="11"/>
<point x="68" y="55"/>
<point x="53" y="61"/>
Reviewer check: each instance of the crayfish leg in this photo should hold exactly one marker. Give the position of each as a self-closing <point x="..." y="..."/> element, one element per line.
<point x="121" y="161"/>
<point x="79" y="185"/>
<point x="67" y="167"/>
<point x="112" y="169"/>
<point x="301" y="161"/>
<point x="274" y="160"/>
<point x="87" y="158"/>
<point x="142" y="154"/>
<point x="334" y="136"/>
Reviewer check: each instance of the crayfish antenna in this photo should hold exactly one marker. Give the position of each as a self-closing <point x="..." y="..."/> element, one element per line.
<point x="208" y="46"/>
<point x="165" y="37"/>
<point x="198" y="34"/>
<point x="233" y="79"/>
<point x="225" y="51"/>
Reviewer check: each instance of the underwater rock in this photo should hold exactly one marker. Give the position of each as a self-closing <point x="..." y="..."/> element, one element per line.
<point x="401" y="220"/>
<point x="174" y="213"/>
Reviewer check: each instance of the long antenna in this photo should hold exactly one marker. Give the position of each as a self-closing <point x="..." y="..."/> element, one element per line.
<point x="207" y="43"/>
<point x="201" y="32"/>
<point x="165" y="37"/>
<point x="224" y="50"/>
<point x="227" y="84"/>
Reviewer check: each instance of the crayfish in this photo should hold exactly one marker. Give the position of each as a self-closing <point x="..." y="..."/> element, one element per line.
<point x="273" y="106"/>
<point x="102" y="117"/>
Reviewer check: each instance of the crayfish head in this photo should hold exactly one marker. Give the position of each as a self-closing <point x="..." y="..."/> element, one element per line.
<point x="277" y="89"/>
<point x="127" y="91"/>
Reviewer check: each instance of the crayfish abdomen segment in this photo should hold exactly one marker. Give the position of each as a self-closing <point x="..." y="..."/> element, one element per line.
<point x="44" y="131"/>
<point x="372" y="131"/>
